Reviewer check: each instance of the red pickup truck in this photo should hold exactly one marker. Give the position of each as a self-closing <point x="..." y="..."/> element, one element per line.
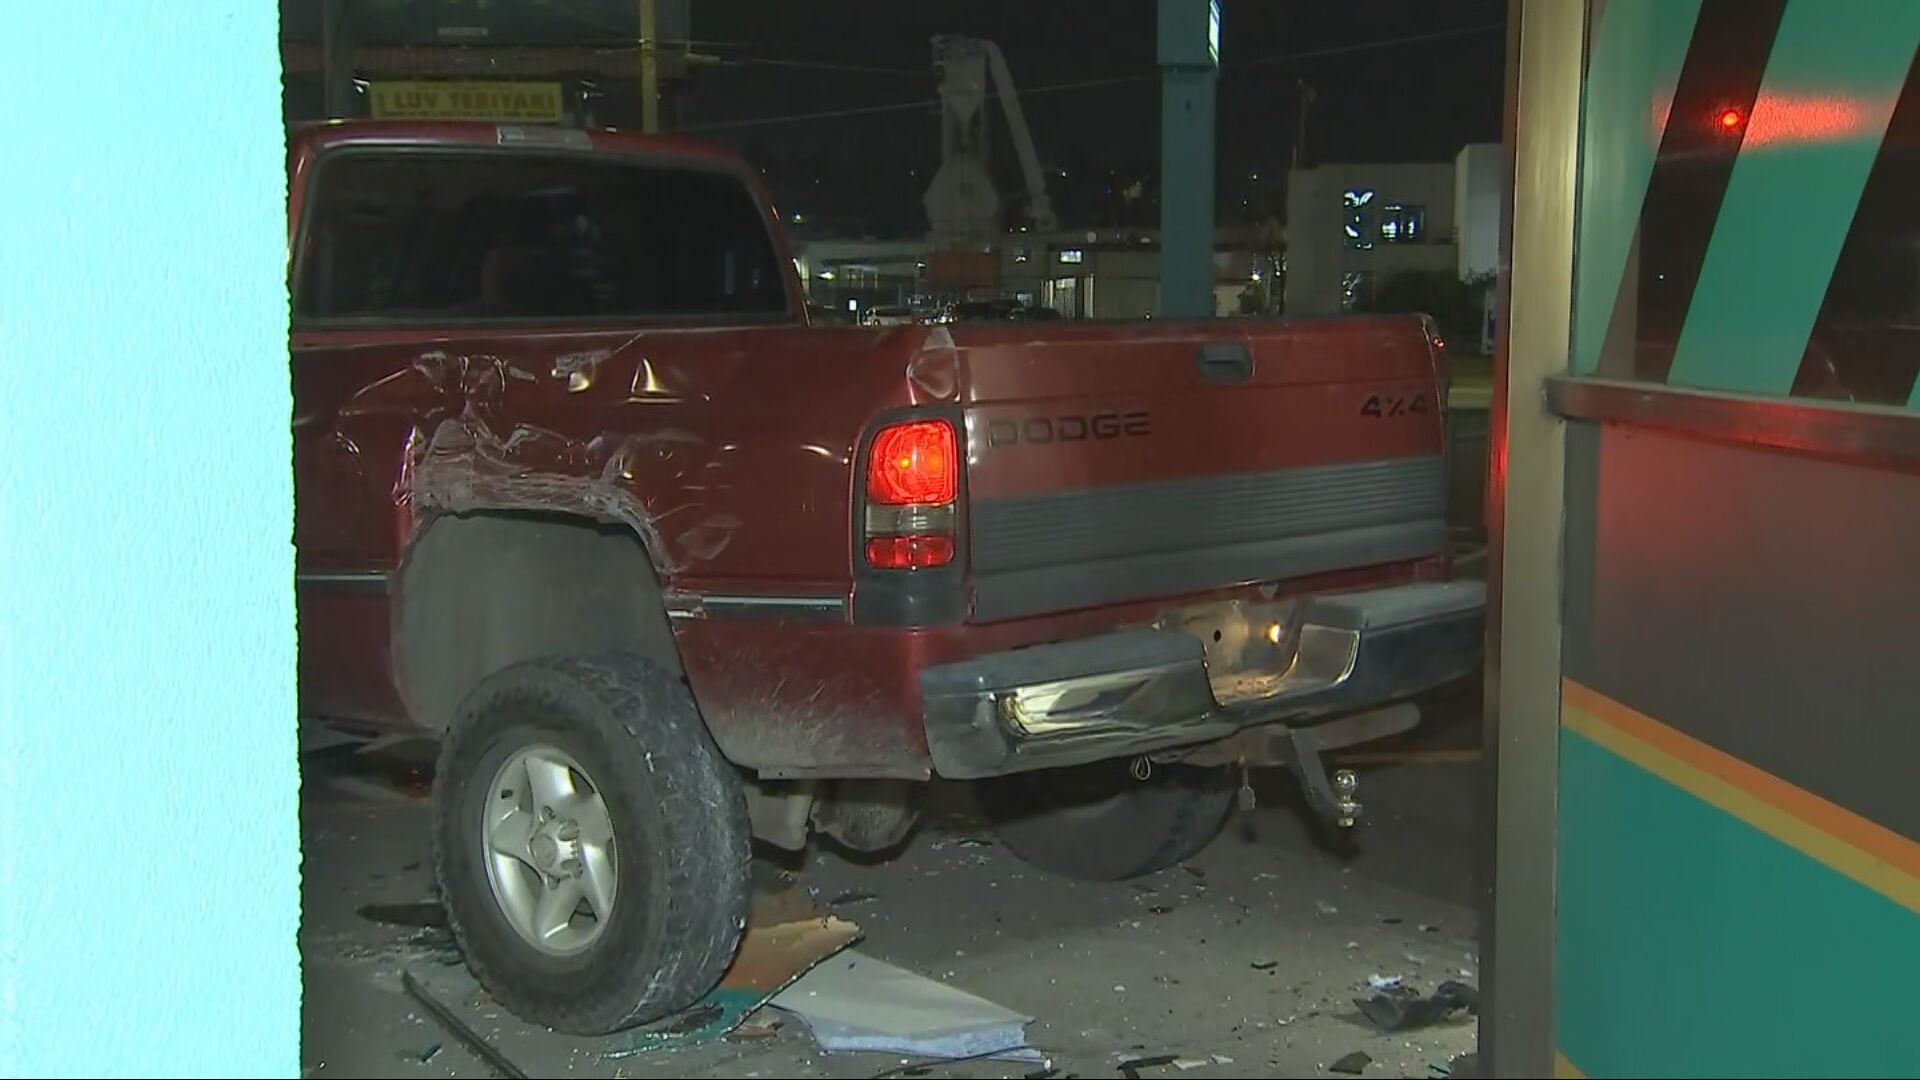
<point x="670" y="570"/>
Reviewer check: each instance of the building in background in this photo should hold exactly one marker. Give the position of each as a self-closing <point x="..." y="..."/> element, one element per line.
<point x="853" y="277"/>
<point x="1349" y="227"/>
<point x="1477" y="188"/>
<point x="1352" y="227"/>
<point x="1479" y="185"/>
<point x="1115" y="274"/>
<point x="1080" y="274"/>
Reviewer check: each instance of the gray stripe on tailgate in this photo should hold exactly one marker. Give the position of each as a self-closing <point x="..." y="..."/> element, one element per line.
<point x="1079" y="549"/>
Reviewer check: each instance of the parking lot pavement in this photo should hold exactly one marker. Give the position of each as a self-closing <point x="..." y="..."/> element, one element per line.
<point x="1245" y="961"/>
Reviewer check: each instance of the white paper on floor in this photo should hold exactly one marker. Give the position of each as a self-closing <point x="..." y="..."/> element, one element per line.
<point x="854" y="1002"/>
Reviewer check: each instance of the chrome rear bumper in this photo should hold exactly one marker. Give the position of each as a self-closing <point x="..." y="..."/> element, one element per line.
<point x="1197" y="676"/>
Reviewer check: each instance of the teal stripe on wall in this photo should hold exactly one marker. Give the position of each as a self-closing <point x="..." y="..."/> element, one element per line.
<point x="1692" y="944"/>
<point x="1638" y="47"/>
<point x="1830" y="87"/>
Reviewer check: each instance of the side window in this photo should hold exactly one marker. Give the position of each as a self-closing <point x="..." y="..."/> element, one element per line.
<point x="428" y="236"/>
<point x="1865" y="344"/>
<point x="1743" y="231"/>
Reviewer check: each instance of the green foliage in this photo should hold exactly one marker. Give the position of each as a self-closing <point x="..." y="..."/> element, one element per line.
<point x="1455" y="305"/>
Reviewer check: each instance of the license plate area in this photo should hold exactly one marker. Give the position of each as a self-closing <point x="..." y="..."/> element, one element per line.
<point x="1250" y="647"/>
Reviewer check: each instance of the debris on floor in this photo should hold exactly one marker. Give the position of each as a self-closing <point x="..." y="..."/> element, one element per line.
<point x="425" y="915"/>
<point x="859" y="1003"/>
<point x="458" y="1029"/>
<point x="384" y="772"/>
<point x="754" y="1030"/>
<point x="431" y="940"/>
<point x="786" y="937"/>
<point x="1130" y="1067"/>
<point x="1402" y="1010"/>
<point x="1351" y="1064"/>
<point x="1208" y="975"/>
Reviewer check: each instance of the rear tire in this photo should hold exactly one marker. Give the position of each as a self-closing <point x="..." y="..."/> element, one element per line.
<point x="605" y="769"/>
<point x="1097" y="823"/>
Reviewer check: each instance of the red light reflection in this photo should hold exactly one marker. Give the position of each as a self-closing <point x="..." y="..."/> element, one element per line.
<point x="1781" y="119"/>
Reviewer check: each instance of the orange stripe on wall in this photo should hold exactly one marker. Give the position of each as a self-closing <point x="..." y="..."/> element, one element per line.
<point x="1842" y="824"/>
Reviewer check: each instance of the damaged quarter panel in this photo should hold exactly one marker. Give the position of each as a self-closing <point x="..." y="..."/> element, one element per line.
<point x="724" y="442"/>
<point x="746" y="497"/>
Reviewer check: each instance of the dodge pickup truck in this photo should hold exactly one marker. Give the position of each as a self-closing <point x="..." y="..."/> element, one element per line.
<point x="667" y="569"/>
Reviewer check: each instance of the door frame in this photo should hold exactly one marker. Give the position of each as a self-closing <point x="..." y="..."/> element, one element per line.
<point x="1526" y="504"/>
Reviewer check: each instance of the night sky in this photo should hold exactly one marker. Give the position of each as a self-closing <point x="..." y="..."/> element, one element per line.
<point x="1416" y="101"/>
<point x="1393" y="80"/>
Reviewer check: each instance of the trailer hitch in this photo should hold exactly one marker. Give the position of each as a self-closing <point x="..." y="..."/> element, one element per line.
<point x="1331" y="795"/>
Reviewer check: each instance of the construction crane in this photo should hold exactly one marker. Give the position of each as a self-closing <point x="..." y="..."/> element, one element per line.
<point x="963" y="205"/>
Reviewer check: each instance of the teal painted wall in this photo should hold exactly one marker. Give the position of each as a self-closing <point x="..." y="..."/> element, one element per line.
<point x="1692" y="944"/>
<point x="1638" y="46"/>
<point x="149" y="851"/>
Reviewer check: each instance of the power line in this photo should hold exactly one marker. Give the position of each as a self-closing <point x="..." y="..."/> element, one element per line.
<point x="1113" y="80"/>
<point x="824" y="114"/>
<point x="1369" y="46"/>
<point x="820" y="65"/>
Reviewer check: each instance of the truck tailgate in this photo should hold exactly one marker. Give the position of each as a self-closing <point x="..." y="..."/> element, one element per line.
<point x="1115" y="463"/>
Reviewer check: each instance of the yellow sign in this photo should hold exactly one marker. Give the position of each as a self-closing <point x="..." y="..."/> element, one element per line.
<point x="499" y="101"/>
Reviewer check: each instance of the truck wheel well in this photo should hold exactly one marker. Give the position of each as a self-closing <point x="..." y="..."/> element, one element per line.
<point x="481" y="591"/>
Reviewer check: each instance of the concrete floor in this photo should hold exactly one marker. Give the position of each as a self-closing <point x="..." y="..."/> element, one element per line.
<point x="1248" y="959"/>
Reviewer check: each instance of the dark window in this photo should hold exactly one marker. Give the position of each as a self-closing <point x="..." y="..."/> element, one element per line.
<point x="1865" y="344"/>
<point x="428" y="236"/>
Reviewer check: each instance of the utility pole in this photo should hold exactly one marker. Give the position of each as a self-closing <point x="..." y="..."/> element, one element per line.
<point x="1300" y="127"/>
<point x="1189" y="52"/>
<point x="649" y="66"/>
<point x="336" y="58"/>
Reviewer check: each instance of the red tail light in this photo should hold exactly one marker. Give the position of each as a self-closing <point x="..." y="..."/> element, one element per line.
<point x="913" y="464"/>
<point x="909" y="552"/>
<point x="913" y="480"/>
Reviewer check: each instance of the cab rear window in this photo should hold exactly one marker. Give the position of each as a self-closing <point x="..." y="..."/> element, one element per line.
<point x="428" y="236"/>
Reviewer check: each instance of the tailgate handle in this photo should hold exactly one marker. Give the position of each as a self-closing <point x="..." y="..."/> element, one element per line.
<point x="1226" y="361"/>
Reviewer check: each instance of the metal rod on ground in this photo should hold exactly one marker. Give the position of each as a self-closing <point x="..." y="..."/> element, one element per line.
<point x="459" y="1030"/>
<point x="922" y="1064"/>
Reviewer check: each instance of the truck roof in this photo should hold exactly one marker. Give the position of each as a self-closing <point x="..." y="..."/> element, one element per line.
<point x="316" y="136"/>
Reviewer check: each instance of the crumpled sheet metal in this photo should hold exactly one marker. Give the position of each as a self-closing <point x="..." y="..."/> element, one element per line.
<point x="465" y="454"/>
